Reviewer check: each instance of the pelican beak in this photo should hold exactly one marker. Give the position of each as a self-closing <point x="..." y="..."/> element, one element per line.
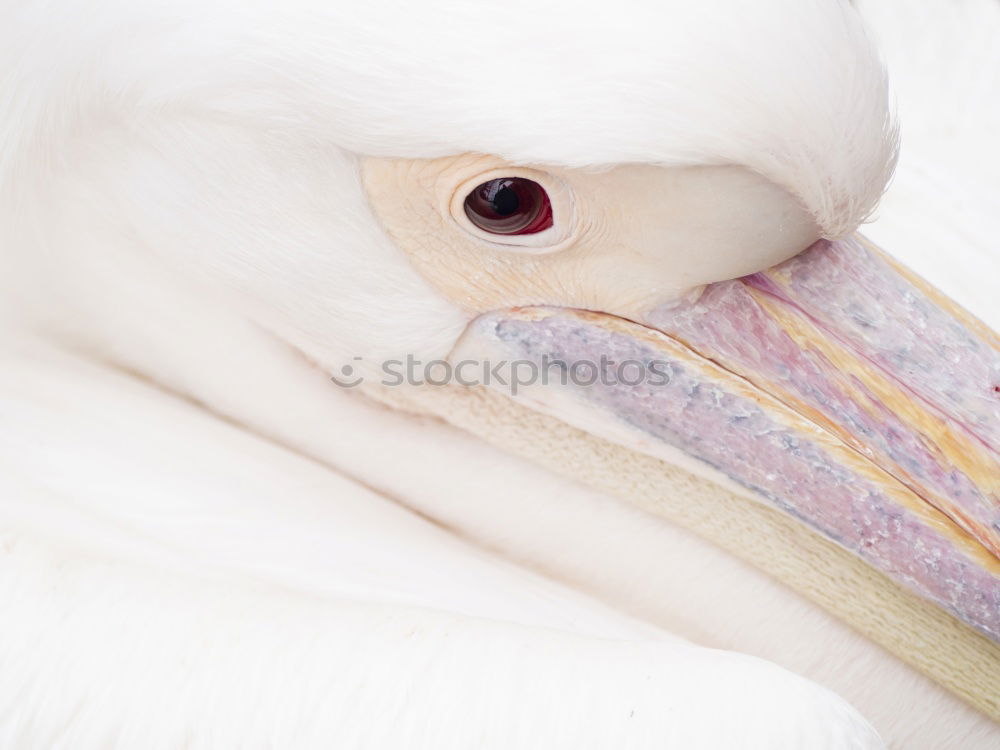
<point x="836" y="386"/>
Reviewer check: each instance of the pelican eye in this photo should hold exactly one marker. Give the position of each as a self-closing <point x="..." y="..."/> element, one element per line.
<point x="509" y="205"/>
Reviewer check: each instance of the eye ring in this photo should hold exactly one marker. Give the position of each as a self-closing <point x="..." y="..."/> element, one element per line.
<point x="509" y="206"/>
<point x="560" y="234"/>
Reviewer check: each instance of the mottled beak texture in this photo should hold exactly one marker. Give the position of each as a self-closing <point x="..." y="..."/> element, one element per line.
<point x="837" y="386"/>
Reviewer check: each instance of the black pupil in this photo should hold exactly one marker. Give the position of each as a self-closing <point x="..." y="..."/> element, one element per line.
<point x="509" y="205"/>
<point x="505" y="202"/>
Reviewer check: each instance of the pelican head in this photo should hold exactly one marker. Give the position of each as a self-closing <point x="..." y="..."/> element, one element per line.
<point x="672" y="184"/>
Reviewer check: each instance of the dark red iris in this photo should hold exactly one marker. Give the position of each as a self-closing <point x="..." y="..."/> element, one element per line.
<point x="509" y="205"/>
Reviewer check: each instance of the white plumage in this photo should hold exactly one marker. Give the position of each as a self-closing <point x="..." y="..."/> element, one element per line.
<point x="235" y="572"/>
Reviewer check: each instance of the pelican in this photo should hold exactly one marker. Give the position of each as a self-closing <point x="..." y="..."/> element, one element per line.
<point x="241" y="243"/>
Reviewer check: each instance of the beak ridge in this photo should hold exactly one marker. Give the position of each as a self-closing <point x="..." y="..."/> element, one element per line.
<point x="810" y="386"/>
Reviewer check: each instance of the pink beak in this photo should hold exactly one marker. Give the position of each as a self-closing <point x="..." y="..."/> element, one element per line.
<point x="836" y="386"/>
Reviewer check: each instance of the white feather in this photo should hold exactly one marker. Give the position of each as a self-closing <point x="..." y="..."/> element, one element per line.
<point x="177" y="177"/>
